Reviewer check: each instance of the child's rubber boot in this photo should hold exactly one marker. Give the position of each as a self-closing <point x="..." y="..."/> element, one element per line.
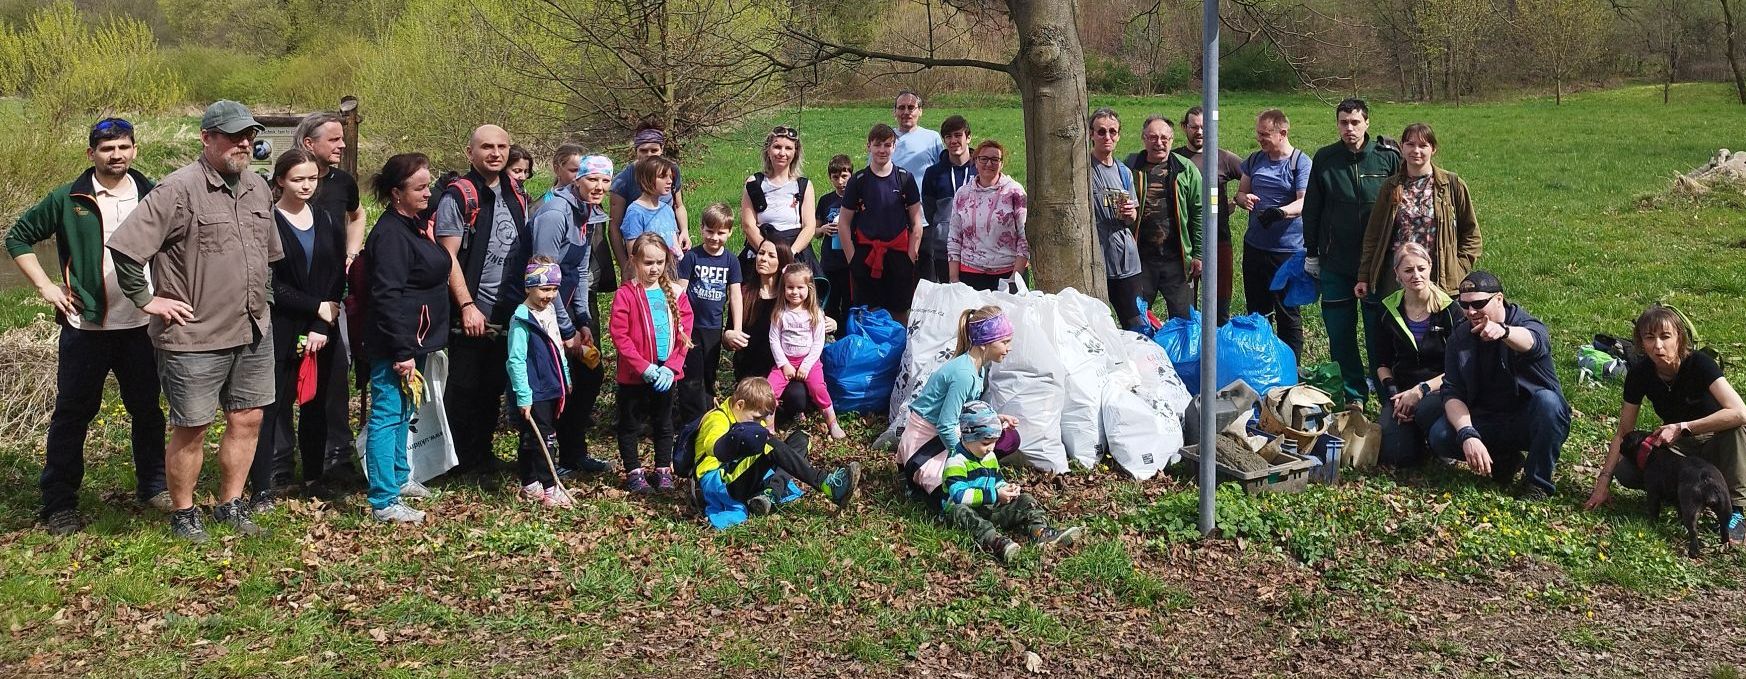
<point x="840" y="485"/>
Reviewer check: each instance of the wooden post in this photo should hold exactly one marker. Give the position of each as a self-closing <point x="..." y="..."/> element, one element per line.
<point x="349" y="119"/>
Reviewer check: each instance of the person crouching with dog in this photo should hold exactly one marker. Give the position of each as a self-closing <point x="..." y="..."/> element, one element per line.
<point x="1702" y="414"/>
<point x="1501" y="396"/>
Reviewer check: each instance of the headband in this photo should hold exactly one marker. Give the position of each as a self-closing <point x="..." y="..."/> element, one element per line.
<point x="990" y="330"/>
<point x="979" y="422"/>
<point x="540" y="275"/>
<point x="649" y="137"/>
<point x="596" y="165"/>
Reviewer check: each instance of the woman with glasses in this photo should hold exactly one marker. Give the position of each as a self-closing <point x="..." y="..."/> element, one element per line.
<point x="1420" y="204"/>
<point x="1417" y="320"/>
<point x="777" y="203"/>
<point x="987" y="240"/>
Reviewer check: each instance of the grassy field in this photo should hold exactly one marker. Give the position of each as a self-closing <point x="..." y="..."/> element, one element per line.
<point x="1425" y="574"/>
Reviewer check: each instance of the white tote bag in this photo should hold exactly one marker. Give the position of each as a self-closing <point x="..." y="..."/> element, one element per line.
<point x="430" y="450"/>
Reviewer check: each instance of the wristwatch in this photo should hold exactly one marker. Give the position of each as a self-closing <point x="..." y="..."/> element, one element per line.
<point x="1424" y="389"/>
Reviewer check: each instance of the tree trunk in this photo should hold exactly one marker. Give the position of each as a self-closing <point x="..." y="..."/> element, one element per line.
<point x="1733" y="51"/>
<point x="1050" y="73"/>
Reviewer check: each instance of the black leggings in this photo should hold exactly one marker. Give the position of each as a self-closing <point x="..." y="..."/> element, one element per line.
<point x="639" y="404"/>
<point x="788" y="459"/>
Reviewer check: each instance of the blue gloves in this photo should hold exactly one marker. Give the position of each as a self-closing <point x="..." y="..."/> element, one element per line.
<point x="659" y="376"/>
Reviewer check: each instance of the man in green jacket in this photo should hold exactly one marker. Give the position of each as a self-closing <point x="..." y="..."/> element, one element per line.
<point x="101" y="330"/>
<point x="1170" y="219"/>
<point x="1344" y="180"/>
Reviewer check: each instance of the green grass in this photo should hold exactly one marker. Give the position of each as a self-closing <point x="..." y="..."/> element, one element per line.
<point x="628" y="586"/>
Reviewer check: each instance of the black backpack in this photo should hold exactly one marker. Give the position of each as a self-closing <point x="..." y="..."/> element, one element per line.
<point x="755" y="191"/>
<point x="685" y="450"/>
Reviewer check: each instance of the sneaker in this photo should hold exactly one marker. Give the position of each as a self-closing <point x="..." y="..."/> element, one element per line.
<point x="759" y="505"/>
<point x="586" y="465"/>
<point x="236" y="515"/>
<point x="1002" y="548"/>
<point x="397" y="513"/>
<point x="1047" y="536"/>
<point x="557" y="498"/>
<point x="635" y="482"/>
<point x="413" y="490"/>
<point x="185" y="524"/>
<point x="565" y="472"/>
<point x="67" y="521"/>
<point x="1532" y="493"/>
<point x="842" y="483"/>
<point x="533" y="492"/>
<point x="1736" y="528"/>
<point x="160" y="502"/>
<point x="664" y="479"/>
<point x="261" y="503"/>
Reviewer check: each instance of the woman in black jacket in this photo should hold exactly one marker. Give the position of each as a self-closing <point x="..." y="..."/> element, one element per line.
<point x="406" y="319"/>
<point x="307" y="285"/>
<point x="1416" y="321"/>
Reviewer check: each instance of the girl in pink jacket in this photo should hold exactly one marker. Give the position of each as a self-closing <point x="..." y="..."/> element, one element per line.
<point x="797" y="338"/>
<point x="651" y="327"/>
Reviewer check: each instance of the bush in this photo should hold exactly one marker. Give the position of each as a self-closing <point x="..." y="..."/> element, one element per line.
<point x="1255" y="67"/>
<point x="1105" y="75"/>
<point x="68" y="65"/>
<point x="1175" y="77"/>
<point x="317" y="80"/>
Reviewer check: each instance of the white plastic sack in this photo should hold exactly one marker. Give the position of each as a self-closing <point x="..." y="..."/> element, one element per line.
<point x="1142" y="409"/>
<point x="1086" y="364"/>
<point x="1029" y="384"/>
<point x="1158" y="378"/>
<point x="430" y="450"/>
<point x="933" y="340"/>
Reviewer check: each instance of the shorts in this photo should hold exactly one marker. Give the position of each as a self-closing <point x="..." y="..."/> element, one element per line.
<point x="198" y="383"/>
<point x="893" y="291"/>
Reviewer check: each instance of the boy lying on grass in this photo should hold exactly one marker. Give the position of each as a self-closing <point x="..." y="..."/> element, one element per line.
<point x="980" y="501"/>
<point x="741" y="471"/>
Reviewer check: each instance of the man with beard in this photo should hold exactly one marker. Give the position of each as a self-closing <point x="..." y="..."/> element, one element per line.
<point x="101" y="331"/>
<point x="208" y="233"/>
<point x="1230" y="170"/>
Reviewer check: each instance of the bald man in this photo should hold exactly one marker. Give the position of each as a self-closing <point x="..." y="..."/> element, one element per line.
<point x="482" y="221"/>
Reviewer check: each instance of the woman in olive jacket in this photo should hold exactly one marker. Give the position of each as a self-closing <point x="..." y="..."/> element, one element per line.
<point x="1421" y="204"/>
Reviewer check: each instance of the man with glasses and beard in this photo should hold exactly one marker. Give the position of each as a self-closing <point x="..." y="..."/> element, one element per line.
<point x="208" y="233"/>
<point x="1501" y="396"/>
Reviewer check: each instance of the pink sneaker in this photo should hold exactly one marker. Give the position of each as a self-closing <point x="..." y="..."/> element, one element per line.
<point x="558" y="499"/>
<point x="533" y="492"/>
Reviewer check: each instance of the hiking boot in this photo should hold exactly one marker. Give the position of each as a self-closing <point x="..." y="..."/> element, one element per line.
<point x="635" y="483"/>
<point x="1047" y="536"/>
<point x="1532" y="493"/>
<point x="67" y="522"/>
<point x="1002" y="548"/>
<point x="397" y="513"/>
<point x="664" y="479"/>
<point x="558" y="498"/>
<point x="161" y="502"/>
<point x="840" y="485"/>
<point x="413" y="490"/>
<point x="236" y="515"/>
<point x="185" y="524"/>
<point x="759" y="505"/>
<point x="1736" y="528"/>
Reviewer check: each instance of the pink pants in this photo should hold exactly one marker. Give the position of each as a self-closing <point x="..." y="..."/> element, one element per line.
<point x="814" y="378"/>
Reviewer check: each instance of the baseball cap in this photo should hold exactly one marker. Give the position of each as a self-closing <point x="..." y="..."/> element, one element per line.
<point x="229" y="117"/>
<point x="1481" y="281"/>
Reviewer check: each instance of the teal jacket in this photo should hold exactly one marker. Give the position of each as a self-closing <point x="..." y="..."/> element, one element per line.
<point x="69" y="215"/>
<point x="1343" y="186"/>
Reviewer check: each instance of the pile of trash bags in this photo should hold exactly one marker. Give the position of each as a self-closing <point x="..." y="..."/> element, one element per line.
<point x="1248" y="351"/>
<point x="1080" y="387"/>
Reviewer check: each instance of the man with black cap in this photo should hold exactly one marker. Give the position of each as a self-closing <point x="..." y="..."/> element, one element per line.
<point x="1501" y="394"/>
<point x="207" y="230"/>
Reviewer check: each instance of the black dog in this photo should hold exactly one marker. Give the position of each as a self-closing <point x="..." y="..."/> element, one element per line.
<point x="1694" y="481"/>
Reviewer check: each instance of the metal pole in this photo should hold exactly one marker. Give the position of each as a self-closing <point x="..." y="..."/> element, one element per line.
<point x="1209" y="293"/>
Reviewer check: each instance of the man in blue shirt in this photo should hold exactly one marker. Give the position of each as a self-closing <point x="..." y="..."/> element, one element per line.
<point x="917" y="147"/>
<point x="1275" y="179"/>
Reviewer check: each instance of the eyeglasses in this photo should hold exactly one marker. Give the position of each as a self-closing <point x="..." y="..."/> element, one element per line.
<point x="785" y="131"/>
<point x="1156" y="137"/>
<point x="989" y="160"/>
<point x="1475" y="304"/>
<point x="1106" y="132"/>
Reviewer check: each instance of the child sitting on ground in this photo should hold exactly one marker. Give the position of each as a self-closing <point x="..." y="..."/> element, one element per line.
<point x="741" y="470"/>
<point x="980" y="501"/>
<point x="539" y="378"/>
<point x="797" y="338"/>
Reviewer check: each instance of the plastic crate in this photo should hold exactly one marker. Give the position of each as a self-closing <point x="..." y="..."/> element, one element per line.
<point x="1326" y="454"/>
<point x="1289" y="474"/>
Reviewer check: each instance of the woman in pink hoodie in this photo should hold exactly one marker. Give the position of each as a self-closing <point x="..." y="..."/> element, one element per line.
<point x="987" y="240"/>
<point x="651" y="328"/>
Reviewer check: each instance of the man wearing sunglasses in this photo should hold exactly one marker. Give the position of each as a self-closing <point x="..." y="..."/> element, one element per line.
<point x="1501" y="394"/>
<point x="208" y="233"/>
<point x="101" y="330"/>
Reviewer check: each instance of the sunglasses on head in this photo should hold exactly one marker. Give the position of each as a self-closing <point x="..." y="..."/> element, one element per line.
<point x="107" y="125"/>
<point x="1475" y="304"/>
<point x="785" y="131"/>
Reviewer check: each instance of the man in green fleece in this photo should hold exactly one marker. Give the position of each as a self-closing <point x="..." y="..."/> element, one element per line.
<point x="101" y="330"/>
<point x="1344" y="179"/>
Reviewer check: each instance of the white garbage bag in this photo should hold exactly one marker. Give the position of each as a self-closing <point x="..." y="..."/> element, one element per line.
<point x="1086" y="363"/>
<point x="933" y="340"/>
<point x="1142" y="409"/>
<point x="430" y="450"/>
<point x="1030" y="384"/>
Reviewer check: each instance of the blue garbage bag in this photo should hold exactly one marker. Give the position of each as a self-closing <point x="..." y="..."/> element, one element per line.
<point x="861" y="368"/>
<point x="1180" y="338"/>
<point x="1299" y="287"/>
<point x="1249" y="351"/>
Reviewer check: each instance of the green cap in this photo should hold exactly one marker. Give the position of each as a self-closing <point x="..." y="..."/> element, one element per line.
<point x="229" y="117"/>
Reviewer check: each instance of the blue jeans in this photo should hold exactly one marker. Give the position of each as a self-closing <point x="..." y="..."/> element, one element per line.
<point x="385" y="447"/>
<point x="1538" y="427"/>
<point x="1403" y="443"/>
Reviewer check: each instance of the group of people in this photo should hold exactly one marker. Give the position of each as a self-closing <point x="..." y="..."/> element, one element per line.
<point x="251" y="281"/>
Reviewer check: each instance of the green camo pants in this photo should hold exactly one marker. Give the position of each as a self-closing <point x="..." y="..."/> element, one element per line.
<point x="983" y="522"/>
